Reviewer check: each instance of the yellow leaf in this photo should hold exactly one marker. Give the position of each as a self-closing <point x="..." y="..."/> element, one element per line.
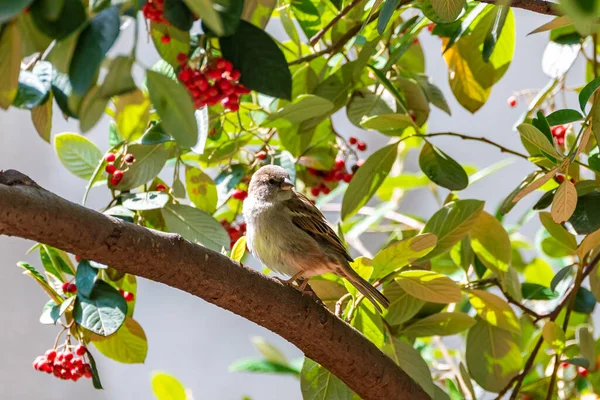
<point x="588" y="244"/>
<point x="42" y="119"/>
<point x="495" y="310"/>
<point x="429" y="286"/>
<point x="132" y="114"/>
<point x="535" y="185"/>
<point x="10" y="63"/>
<point x="554" y="336"/>
<point x="564" y="203"/>
<point x="239" y="249"/>
<point x="401" y="253"/>
<point x="491" y="243"/>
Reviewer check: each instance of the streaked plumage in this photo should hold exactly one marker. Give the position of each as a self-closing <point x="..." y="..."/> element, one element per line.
<point x="289" y="235"/>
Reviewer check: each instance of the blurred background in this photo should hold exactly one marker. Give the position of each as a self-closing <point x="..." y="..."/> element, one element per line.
<point x="194" y="340"/>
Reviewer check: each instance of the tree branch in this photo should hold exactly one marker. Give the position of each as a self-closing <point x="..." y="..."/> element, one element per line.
<point x="537" y="6"/>
<point x="29" y="211"/>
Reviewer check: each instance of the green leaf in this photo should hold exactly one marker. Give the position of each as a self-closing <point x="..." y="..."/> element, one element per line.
<point x="10" y="63"/>
<point x="579" y="361"/>
<point x="429" y="286"/>
<point x="433" y="93"/>
<point x="91" y="109"/>
<point x="586" y="218"/>
<point x="145" y="200"/>
<point x="367" y="179"/>
<point x="494" y="31"/>
<point x="34" y="86"/>
<point x="554" y="336"/>
<point x="174" y="106"/>
<point x="229" y="12"/>
<point x="534" y="291"/>
<point x="317" y="383"/>
<point x="178" y="14"/>
<point x="368" y="321"/>
<point x="179" y="43"/>
<point x="93" y="44"/>
<point x="56" y="261"/>
<point x="85" y="278"/>
<point x="364" y="103"/>
<point x="41" y="116"/>
<point x="402" y="107"/>
<point x="387" y="10"/>
<point x="585" y="302"/>
<point x="493" y="356"/>
<point x="201" y="190"/>
<point x="442" y="169"/>
<point x="448" y="10"/>
<point x="303" y="108"/>
<point x="206" y="11"/>
<point x="560" y="275"/>
<point x="451" y="223"/>
<point x="587" y="92"/>
<point x="269" y="352"/>
<point x="103" y="312"/>
<point x="10" y="9"/>
<point x="95" y="377"/>
<point x="402" y="307"/>
<point x="561" y="117"/>
<point x="78" y="154"/>
<point x="262" y="366"/>
<point x="491" y="243"/>
<point x="410" y="361"/>
<point x="149" y="161"/>
<point x="196" y="226"/>
<point x="388" y="124"/>
<point x="260" y="61"/>
<point x="50" y="313"/>
<point x="401" y="253"/>
<point x="535" y="137"/>
<point x="132" y="113"/>
<point x="128" y="346"/>
<point x="441" y="324"/>
<point x="67" y="19"/>
<point x="494" y="310"/>
<point x="167" y="387"/>
<point x="558" y="232"/>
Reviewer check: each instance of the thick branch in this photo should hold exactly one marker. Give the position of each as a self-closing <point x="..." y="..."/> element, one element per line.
<point x="538" y="6"/>
<point x="30" y="212"/>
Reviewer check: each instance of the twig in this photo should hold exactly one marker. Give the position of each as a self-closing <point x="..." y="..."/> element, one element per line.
<point x="391" y="215"/>
<point x="440" y="344"/>
<point x="315" y="39"/>
<point x="477" y="139"/>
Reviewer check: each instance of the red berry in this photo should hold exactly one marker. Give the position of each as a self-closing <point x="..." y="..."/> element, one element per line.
<point x="353" y="140"/>
<point x="161" y="188"/>
<point x="68" y="356"/>
<point x="220" y="63"/>
<point x="128" y="296"/>
<point x="326" y="190"/>
<point x="512" y="101"/>
<point x="560" y="178"/>
<point x="560" y="141"/>
<point x="235" y="75"/>
<point x="182" y="58"/>
<point x="315" y="191"/>
<point x="72" y="288"/>
<point x="239" y="194"/>
<point x="261" y="155"/>
<point x="583" y="372"/>
<point x="430" y="27"/>
<point x="361" y="146"/>
<point x="65" y="287"/>
<point x="564" y="364"/>
<point x="231" y="106"/>
<point x="165" y="39"/>
<point x="80" y="350"/>
<point x="338" y="176"/>
<point x="559" y="131"/>
<point x="78" y="258"/>
<point x="87" y="371"/>
<point x="214" y="74"/>
<point x="129" y="159"/>
<point x="110" y="157"/>
<point x="110" y="168"/>
<point x="241" y="89"/>
<point x="312" y="171"/>
<point x="340" y="163"/>
<point x="416" y="41"/>
<point x="347" y="178"/>
<point x="50" y="354"/>
<point x="226" y="87"/>
<point x="227" y="66"/>
<point x="412" y="115"/>
<point x="118" y="175"/>
<point x="185" y="75"/>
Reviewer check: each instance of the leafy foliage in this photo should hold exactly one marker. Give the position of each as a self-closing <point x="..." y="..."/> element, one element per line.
<point x="221" y="103"/>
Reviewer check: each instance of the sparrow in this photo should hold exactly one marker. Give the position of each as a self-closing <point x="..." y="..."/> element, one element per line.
<point x="289" y="235"/>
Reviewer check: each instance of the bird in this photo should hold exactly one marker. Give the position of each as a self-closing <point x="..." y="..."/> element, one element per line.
<point x="289" y="235"/>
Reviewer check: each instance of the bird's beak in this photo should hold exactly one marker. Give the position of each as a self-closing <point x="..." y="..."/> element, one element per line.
<point x="287" y="184"/>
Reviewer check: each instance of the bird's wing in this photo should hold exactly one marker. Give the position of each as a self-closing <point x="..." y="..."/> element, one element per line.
<point x="308" y="218"/>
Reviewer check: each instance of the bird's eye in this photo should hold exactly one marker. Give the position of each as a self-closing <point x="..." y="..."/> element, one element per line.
<point x="272" y="181"/>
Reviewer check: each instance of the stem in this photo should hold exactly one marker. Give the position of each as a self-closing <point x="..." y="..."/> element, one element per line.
<point x="553" y="378"/>
<point x="136" y="30"/>
<point x="315" y="39"/>
<point x="474" y="138"/>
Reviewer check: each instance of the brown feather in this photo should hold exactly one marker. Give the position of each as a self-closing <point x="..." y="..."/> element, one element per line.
<point x="308" y="218"/>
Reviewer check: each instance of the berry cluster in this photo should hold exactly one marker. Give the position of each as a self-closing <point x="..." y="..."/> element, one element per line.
<point x="153" y="10"/>
<point x="217" y="82"/>
<point x="64" y="364"/>
<point x="239" y="194"/>
<point x="360" y="146"/>
<point x="337" y="174"/>
<point x="127" y="295"/>
<point x="68" y="287"/>
<point x="116" y="175"/>
<point x="512" y="101"/>
<point x="559" y="132"/>
<point x="235" y="231"/>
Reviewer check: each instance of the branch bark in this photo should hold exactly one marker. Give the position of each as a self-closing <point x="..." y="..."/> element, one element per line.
<point x="31" y="212"/>
<point x="537" y="6"/>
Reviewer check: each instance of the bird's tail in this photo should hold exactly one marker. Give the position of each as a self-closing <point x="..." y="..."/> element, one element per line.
<point x="367" y="290"/>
